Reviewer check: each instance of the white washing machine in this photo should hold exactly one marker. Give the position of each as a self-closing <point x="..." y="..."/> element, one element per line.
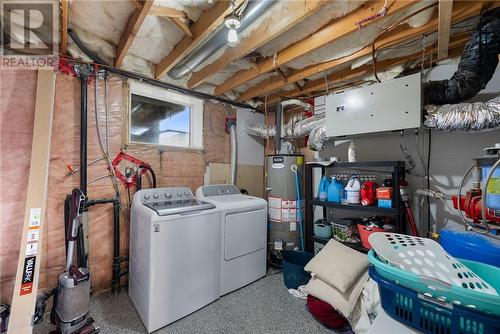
<point x="243" y="235"/>
<point x="174" y="255"/>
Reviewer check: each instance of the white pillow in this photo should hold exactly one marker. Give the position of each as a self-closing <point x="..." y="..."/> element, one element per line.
<point x="338" y="265"/>
<point x="342" y="302"/>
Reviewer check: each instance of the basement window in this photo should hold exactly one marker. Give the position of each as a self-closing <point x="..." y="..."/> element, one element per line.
<point x="160" y="117"/>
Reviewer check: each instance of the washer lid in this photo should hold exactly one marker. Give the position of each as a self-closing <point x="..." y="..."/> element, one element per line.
<point x="174" y="207"/>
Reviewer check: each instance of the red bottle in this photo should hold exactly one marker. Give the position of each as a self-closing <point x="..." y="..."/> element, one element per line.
<point x="368" y="193"/>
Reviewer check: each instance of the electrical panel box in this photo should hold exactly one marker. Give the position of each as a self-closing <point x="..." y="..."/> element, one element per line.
<point x="388" y="106"/>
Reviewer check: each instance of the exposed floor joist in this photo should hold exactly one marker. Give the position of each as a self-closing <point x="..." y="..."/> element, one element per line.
<point x="297" y="11"/>
<point x="209" y="20"/>
<point x="133" y="25"/>
<point x="336" y="29"/>
<point x="166" y="12"/>
<point x="444" y="26"/>
<point x="457" y="43"/>
<point x="182" y="26"/>
<point x="461" y="11"/>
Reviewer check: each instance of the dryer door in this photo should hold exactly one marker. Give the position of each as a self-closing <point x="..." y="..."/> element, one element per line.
<point x="244" y="233"/>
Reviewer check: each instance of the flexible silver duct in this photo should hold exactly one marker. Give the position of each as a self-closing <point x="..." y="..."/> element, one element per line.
<point x="317" y="138"/>
<point x="291" y="130"/>
<point x="254" y="9"/>
<point x="234" y="154"/>
<point x="479" y="116"/>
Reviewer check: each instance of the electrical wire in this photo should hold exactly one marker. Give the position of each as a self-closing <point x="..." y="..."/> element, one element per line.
<point x="420" y="155"/>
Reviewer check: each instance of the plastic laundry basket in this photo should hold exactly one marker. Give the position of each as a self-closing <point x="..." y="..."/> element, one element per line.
<point x="468" y="297"/>
<point x="429" y="315"/>
<point x="293" y="268"/>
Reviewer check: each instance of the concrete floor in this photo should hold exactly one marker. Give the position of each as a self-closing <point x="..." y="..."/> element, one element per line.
<point x="262" y="307"/>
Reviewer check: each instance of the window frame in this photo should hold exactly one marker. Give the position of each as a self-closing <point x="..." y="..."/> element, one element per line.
<point x="166" y="95"/>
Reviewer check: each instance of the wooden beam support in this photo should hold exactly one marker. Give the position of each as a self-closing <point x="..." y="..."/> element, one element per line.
<point x="183" y="26"/>
<point x="30" y="253"/>
<point x="461" y="11"/>
<point x="296" y="11"/>
<point x="282" y="75"/>
<point x="166" y="12"/>
<point x="133" y="25"/>
<point x="335" y="29"/>
<point x="64" y="27"/>
<point x="444" y="25"/>
<point x="357" y="74"/>
<point x="209" y="20"/>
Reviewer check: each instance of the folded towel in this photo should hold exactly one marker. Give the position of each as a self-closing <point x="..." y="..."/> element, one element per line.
<point x="342" y="302"/>
<point x="338" y="265"/>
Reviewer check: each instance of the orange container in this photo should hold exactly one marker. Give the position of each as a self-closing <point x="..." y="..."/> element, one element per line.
<point x="364" y="233"/>
<point x="384" y="193"/>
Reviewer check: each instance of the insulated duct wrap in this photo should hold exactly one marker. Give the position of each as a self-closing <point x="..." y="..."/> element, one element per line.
<point x="317" y="138"/>
<point x="477" y="65"/>
<point x="479" y="116"/>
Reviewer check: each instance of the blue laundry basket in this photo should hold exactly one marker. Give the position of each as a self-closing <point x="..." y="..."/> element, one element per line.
<point x="293" y="268"/>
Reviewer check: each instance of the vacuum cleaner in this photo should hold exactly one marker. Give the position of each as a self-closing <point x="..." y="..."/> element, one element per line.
<point x="70" y="312"/>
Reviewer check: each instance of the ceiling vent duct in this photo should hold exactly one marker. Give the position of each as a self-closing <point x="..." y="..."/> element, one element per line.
<point x="477" y="65"/>
<point x="218" y="39"/>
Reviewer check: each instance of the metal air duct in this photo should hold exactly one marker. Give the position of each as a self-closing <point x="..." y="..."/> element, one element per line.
<point x="218" y="39"/>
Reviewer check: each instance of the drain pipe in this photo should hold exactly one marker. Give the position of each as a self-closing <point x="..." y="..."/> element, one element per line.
<point x="218" y="39"/>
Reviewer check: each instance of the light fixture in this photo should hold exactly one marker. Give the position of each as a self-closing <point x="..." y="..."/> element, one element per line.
<point x="232" y="22"/>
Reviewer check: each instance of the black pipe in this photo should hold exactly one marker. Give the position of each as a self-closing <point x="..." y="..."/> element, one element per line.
<point x="83" y="134"/>
<point x="153" y="175"/>
<point x="151" y="81"/>
<point x="477" y="65"/>
<point x="138" y="180"/>
<point x="115" y="283"/>
<point x="92" y="202"/>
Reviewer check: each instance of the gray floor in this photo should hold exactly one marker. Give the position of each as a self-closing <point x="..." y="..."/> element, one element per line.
<point x="262" y="307"/>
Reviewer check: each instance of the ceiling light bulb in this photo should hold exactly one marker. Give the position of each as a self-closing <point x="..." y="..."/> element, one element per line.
<point x="232" y="36"/>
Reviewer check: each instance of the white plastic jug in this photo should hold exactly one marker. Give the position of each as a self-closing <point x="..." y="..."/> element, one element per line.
<point x="352" y="190"/>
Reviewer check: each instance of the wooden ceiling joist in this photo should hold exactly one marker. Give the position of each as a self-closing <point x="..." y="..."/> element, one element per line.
<point x="329" y="33"/>
<point x="166" y="12"/>
<point x="182" y="26"/>
<point x="461" y="11"/>
<point x="296" y="11"/>
<point x="133" y="25"/>
<point x="445" y="10"/>
<point x="209" y="20"/>
<point x="456" y="46"/>
<point x="64" y="27"/>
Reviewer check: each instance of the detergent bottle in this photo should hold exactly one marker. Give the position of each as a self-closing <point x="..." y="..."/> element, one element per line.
<point x="335" y="191"/>
<point x="352" y="190"/>
<point x="323" y="189"/>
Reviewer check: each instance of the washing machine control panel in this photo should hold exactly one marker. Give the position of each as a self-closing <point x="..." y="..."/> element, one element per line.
<point x="219" y="189"/>
<point x="165" y="194"/>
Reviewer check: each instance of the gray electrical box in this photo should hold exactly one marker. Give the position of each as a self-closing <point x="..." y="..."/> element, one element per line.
<point x="388" y="106"/>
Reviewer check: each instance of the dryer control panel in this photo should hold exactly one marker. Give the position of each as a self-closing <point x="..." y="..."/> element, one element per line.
<point x="165" y="194"/>
<point x="219" y="189"/>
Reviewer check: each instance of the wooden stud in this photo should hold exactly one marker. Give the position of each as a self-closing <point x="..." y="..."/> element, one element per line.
<point x="296" y="11"/>
<point x="461" y="11"/>
<point x="133" y="25"/>
<point x="64" y="27"/>
<point x="182" y="25"/>
<point x="329" y="33"/>
<point x="30" y="253"/>
<point x="444" y="25"/>
<point x="166" y="12"/>
<point x="209" y="20"/>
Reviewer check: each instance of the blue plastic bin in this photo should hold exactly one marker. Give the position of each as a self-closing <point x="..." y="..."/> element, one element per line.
<point x="470" y="246"/>
<point x="293" y="268"/>
<point x="429" y="315"/>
